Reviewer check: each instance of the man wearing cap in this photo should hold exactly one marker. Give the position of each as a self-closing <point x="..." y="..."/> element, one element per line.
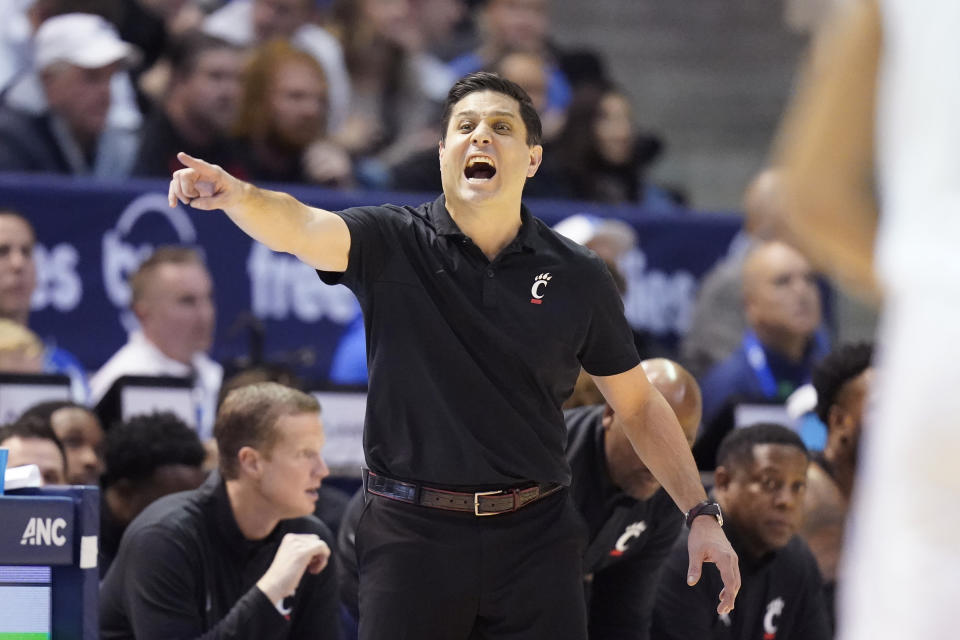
<point x="75" y="57"/>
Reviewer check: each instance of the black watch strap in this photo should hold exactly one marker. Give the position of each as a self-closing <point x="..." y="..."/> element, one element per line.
<point x="705" y="508"/>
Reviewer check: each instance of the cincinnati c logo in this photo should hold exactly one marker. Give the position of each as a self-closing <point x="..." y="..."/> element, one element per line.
<point x="536" y="290"/>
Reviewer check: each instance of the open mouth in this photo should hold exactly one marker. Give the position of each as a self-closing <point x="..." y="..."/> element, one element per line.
<point x="479" y="168"/>
<point x="314" y="493"/>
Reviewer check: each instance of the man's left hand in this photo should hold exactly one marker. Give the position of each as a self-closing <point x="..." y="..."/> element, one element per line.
<point x="707" y="543"/>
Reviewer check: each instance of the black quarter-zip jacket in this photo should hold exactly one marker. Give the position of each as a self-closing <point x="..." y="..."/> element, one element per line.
<point x="184" y="570"/>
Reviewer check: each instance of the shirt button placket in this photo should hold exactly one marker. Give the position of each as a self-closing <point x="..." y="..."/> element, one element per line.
<point x="489" y="289"/>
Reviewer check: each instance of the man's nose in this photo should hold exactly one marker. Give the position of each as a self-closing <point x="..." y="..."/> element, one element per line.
<point x="322" y="469"/>
<point x="481" y="135"/>
<point x="786" y="498"/>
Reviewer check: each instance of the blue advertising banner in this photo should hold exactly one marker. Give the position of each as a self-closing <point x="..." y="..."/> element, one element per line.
<point x="92" y="235"/>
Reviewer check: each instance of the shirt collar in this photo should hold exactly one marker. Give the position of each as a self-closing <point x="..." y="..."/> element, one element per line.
<point x="221" y="518"/>
<point x="446" y="226"/>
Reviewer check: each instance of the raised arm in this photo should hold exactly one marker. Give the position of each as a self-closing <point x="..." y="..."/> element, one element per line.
<point x="658" y="439"/>
<point x="280" y="221"/>
<point x="826" y="148"/>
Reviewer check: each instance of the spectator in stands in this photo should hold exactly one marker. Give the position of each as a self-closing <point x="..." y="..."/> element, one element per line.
<point x="241" y="555"/>
<point x="76" y="56"/>
<point x="172" y="298"/>
<point x="842" y="380"/>
<point x="32" y="441"/>
<point x="283" y="117"/>
<point x="398" y="86"/>
<point x="600" y="154"/>
<point x="20" y="349"/>
<point x="438" y="21"/>
<point x="18" y="279"/>
<point x="249" y="23"/>
<point x="79" y="430"/>
<point x="516" y="25"/>
<point x="199" y="108"/>
<point x="718" y="321"/>
<point x="152" y="26"/>
<point x="760" y="483"/>
<point x="777" y="352"/>
<point x="632" y="522"/>
<point x="147" y="457"/>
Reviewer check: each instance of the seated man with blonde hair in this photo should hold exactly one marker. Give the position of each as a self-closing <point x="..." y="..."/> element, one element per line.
<point x="241" y="556"/>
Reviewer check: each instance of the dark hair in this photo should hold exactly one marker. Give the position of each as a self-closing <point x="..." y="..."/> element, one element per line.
<point x="839" y="367"/>
<point x="142" y="444"/>
<point x="487" y="81"/>
<point x="736" y="449"/>
<point x="578" y="154"/>
<point x="45" y="410"/>
<point x="185" y="51"/>
<point x="35" y="427"/>
<point x="248" y="417"/>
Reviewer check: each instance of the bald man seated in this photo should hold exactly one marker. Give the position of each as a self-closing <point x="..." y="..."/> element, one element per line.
<point x="632" y="522"/>
<point x="781" y="345"/>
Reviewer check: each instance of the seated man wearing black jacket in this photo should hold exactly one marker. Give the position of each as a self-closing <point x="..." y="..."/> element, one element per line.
<point x="240" y="557"/>
<point x="632" y="522"/>
<point x="760" y="483"/>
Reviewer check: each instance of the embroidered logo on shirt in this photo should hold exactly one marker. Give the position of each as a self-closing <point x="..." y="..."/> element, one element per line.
<point x="285" y="606"/>
<point x="536" y="290"/>
<point x="774" y="609"/>
<point x="632" y="531"/>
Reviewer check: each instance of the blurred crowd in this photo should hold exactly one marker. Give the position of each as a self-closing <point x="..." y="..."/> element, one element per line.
<point x="339" y="93"/>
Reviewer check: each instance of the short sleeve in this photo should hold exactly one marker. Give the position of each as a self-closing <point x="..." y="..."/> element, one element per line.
<point x="370" y="232"/>
<point x="609" y="347"/>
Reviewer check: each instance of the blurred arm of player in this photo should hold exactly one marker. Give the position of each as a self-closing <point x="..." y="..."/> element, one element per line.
<point x="826" y="145"/>
<point x="280" y="221"/>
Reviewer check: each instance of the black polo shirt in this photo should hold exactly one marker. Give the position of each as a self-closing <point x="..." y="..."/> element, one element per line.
<point x="185" y="570"/>
<point x="470" y="359"/>
<point x="781" y="596"/>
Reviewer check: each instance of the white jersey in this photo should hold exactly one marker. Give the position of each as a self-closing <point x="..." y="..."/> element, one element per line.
<point x="918" y="144"/>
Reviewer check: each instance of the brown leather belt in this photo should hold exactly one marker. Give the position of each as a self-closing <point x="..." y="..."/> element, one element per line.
<point x="479" y="503"/>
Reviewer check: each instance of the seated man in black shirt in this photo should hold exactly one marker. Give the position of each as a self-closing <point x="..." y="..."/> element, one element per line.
<point x="147" y="457"/>
<point x="760" y="481"/>
<point x="632" y="522"/>
<point x="240" y="557"/>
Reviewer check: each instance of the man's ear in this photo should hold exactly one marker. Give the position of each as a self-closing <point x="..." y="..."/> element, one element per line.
<point x="721" y="478"/>
<point x="139" y="310"/>
<point x="250" y="461"/>
<point x="536" y="157"/>
<point x="440" y="149"/>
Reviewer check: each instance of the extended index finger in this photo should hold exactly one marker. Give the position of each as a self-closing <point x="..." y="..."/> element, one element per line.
<point x="199" y="165"/>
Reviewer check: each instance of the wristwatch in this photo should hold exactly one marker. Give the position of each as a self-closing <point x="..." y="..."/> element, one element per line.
<point x="705" y="508"/>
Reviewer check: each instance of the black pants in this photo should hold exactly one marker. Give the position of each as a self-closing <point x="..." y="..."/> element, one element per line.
<point x="429" y="574"/>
